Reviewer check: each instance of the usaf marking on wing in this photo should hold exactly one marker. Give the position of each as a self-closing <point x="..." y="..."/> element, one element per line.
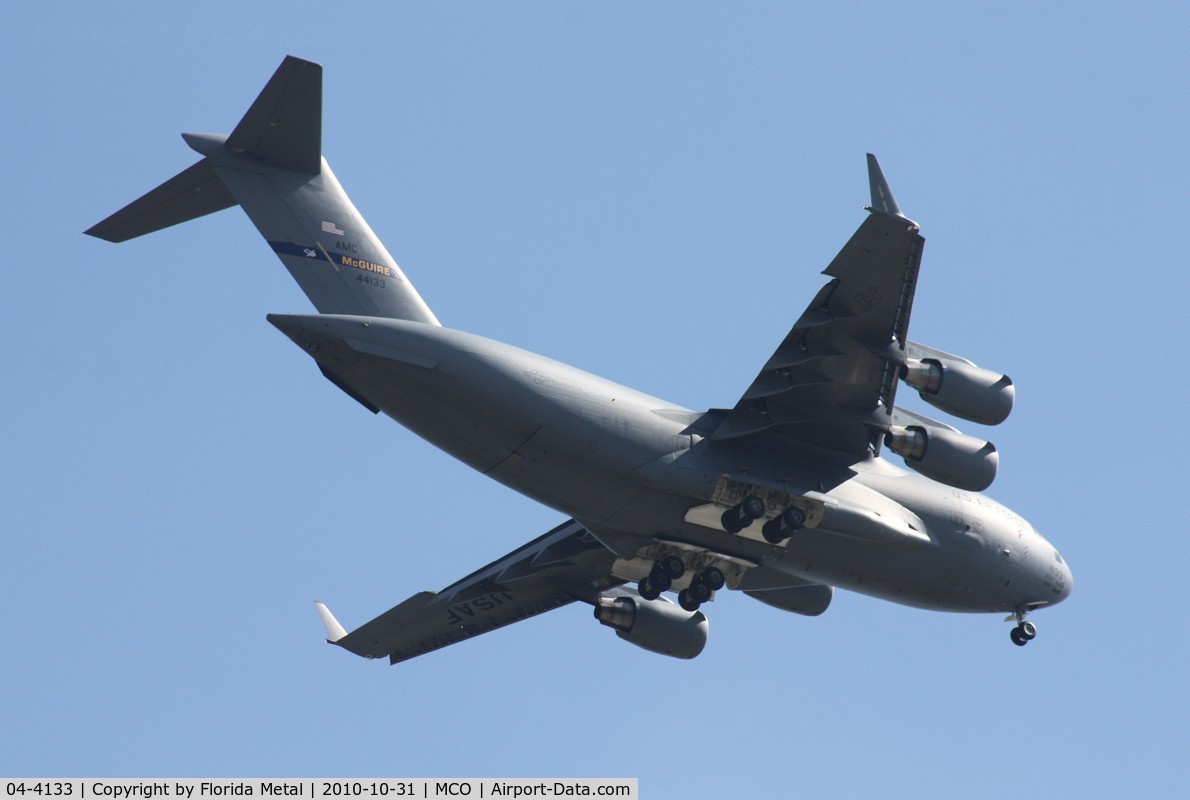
<point x="458" y="614"/>
<point x="782" y="496"/>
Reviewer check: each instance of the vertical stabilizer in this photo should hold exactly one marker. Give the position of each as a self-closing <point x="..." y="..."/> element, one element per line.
<point x="271" y="166"/>
<point x="284" y="125"/>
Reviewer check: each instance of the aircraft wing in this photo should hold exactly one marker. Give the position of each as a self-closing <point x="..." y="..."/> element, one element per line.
<point x="827" y="393"/>
<point x="562" y="566"/>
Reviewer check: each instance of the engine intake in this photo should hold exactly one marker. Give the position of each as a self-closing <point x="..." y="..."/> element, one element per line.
<point x="946" y="455"/>
<point x="658" y="626"/>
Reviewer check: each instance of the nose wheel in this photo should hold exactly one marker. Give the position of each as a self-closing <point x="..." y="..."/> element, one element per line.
<point x="1024" y="632"/>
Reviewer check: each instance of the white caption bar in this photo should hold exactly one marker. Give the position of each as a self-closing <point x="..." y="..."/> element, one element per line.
<point x="312" y="788"/>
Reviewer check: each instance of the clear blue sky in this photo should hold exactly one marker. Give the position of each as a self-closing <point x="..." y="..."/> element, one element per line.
<point x="649" y="194"/>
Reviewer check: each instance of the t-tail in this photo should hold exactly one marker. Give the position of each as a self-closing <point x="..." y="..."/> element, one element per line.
<point x="272" y="166"/>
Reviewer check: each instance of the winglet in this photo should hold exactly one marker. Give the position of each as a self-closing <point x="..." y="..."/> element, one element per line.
<point x="334" y="631"/>
<point x="882" y="196"/>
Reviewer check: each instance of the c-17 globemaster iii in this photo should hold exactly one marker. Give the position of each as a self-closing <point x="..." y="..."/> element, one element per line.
<point x="782" y="496"/>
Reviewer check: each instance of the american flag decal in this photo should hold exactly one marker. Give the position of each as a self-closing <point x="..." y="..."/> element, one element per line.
<point x="330" y="227"/>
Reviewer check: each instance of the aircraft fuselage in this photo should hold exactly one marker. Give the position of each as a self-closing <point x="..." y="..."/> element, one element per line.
<point x="630" y="467"/>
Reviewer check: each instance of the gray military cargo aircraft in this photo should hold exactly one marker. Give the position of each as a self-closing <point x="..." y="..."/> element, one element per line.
<point x="783" y="496"/>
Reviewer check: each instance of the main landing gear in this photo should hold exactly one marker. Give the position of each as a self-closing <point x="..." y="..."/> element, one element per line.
<point x="669" y="569"/>
<point x="709" y="581"/>
<point x="784" y="525"/>
<point x="661" y="577"/>
<point x="1024" y="632"/>
<point x="775" y="531"/>
<point x="738" y="517"/>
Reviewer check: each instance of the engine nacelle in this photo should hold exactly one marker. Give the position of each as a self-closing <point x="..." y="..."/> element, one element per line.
<point x="965" y="390"/>
<point x="957" y="386"/>
<point x="946" y="455"/>
<point x="658" y="626"/>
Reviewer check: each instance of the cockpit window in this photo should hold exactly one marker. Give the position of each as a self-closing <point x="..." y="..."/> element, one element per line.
<point x="1058" y="558"/>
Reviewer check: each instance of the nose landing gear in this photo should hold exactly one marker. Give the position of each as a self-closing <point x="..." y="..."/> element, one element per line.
<point x="1024" y="632"/>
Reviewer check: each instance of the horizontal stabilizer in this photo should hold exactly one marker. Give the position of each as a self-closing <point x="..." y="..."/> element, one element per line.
<point x="192" y="193"/>
<point x="284" y="125"/>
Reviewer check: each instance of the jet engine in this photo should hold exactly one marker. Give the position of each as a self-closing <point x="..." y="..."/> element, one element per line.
<point x="945" y="455"/>
<point x="658" y="626"/>
<point x="957" y="386"/>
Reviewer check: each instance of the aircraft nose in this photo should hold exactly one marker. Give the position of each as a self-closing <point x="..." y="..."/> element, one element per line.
<point x="1060" y="581"/>
<point x="1068" y="584"/>
<point x="1052" y="579"/>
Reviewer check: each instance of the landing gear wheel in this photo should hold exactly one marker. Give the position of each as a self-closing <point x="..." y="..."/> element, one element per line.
<point x="738" y="517"/>
<point x="687" y="602"/>
<point x="659" y="580"/>
<point x="793" y="518"/>
<point x="646" y="589"/>
<point x="731" y="521"/>
<point x="1024" y="632"/>
<point x="774" y="532"/>
<point x="751" y="507"/>
<point x="673" y="567"/>
<point x="714" y="578"/>
<point x="698" y="591"/>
